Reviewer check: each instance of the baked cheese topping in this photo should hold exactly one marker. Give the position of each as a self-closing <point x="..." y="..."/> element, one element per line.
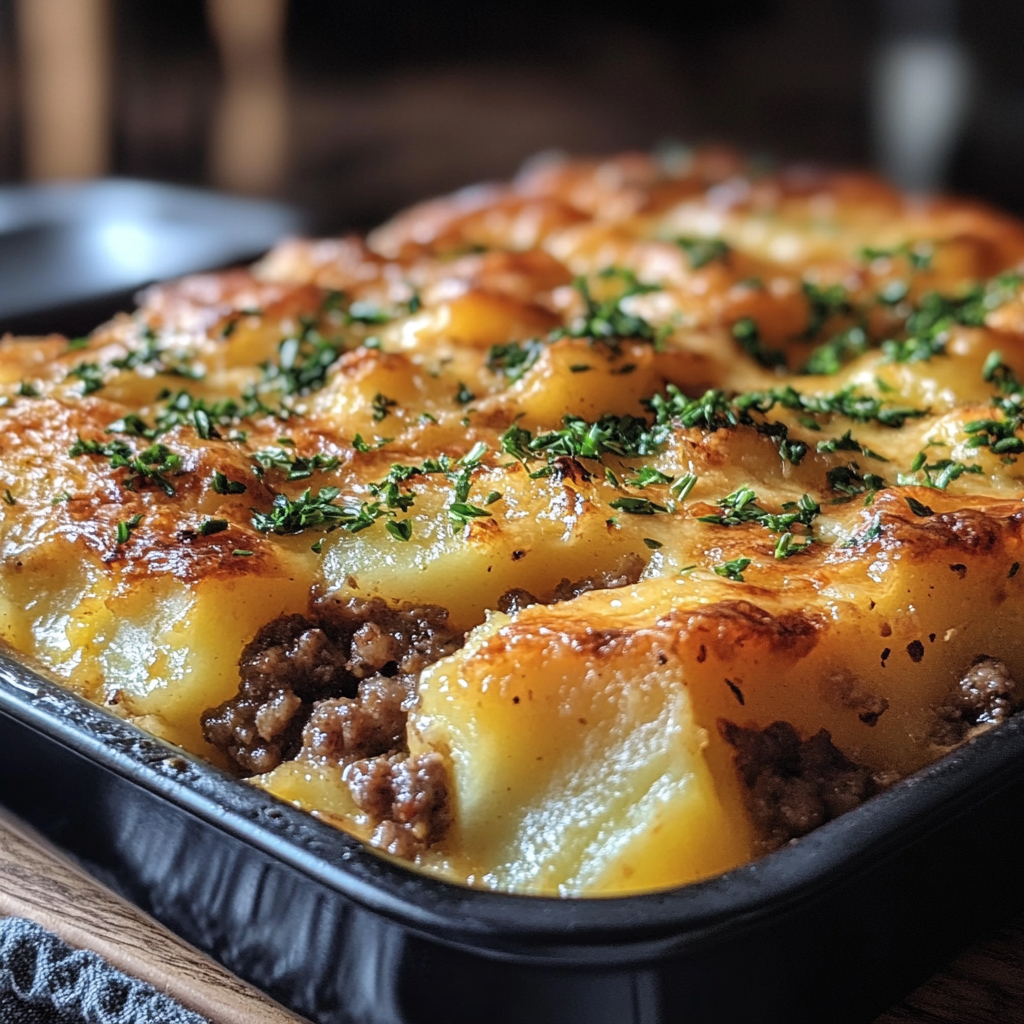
<point x="589" y="534"/>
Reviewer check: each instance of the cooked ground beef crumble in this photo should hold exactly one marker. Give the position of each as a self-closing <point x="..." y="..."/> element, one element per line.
<point x="335" y="688"/>
<point x="408" y="797"/>
<point x="624" y="574"/>
<point x="985" y="695"/>
<point x="795" y="785"/>
<point x="289" y="664"/>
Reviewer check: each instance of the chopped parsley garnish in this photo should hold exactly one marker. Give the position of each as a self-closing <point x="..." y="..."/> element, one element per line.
<point x="9" y="498"/>
<point x="846" y="443"/>
<point x="929" y="324"/>
<point x="125" y="527"/>
<point x="652" y="543"/>
<point x="297" y="467"/>
<point x="842" y="444"/>
<point x="914" y="349"/>
<point x="918" y="254"/>
<point x="995" y="371"/>
<point x="938" y="475"/>
<point x="741" y="507"/>
<point x="702" y="251"/>
<point x="787" y="546"/>
<point x="361" y="312"/>
<point x="149" y="354"/>
<point x="461" y="512"/>
<point x="514" y="358"/>
<point x="824" y="303"/>
<point x="149" y="466"/>
<point x="308" y="511"/>
<point x="871" y="533"/>
<point x="220" y="484"/>
<point x="184" y="409"/>
<point x="834" y="354"/>
<point x="389" y="489"/>
<point x="294" y="515"/>
<point x="464" y="396"/>
<point x="917" y="507"/>
<point x="363" y="446"/>
<point x="647" y="475"/>
<point x="209" y="526"/>
<point x="748" y="336"/>
<point x="732" y="570"/>
<point x="845" y="402"/>
<point x="627" y="436"/>
<point x="714" y="411"/>
<point x="382" y="406"/>
<point x="637" y="506"/>
<point x="91" y="376"/>
<point x="604" y="319"/>
<point x="27" y="390"/>
<point x="302" y="364"/>
<point x="848" y="481"/>
<point x="400" y="529"/>
<point x="680" y="490"/>
<point x="133" y="426"/>
<point x="1000" y="435"/>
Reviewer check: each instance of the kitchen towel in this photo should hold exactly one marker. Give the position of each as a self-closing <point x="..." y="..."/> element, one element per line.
<point x="45" y="981"/>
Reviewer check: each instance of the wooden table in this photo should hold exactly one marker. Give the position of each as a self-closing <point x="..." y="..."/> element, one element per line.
<point x="985" y="985"/>
<point x="39" y="883"/>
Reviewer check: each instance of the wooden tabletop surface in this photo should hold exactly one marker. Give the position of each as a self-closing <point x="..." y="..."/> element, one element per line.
<point x="38" y="883"/>
<point x="985" y="985"/>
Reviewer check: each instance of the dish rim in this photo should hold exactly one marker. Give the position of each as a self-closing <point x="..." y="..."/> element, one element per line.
<point x="594" y="930"/>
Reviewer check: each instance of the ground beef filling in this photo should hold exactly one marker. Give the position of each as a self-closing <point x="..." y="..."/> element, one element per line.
<point x="624" y="574"/>
<point x="335" y="688"/>
<point x="795" y="785"/>
<point x="984" y="696"/>
<point x="290" y="663"/>
<point x="407" y="796"/>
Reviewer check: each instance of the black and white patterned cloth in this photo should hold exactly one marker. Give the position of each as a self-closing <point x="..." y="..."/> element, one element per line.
<point x="45" y="981"/>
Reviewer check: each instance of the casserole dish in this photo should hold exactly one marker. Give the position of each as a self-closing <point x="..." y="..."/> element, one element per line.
<point x="600" y="747"/>
<point x="833" y="927"/>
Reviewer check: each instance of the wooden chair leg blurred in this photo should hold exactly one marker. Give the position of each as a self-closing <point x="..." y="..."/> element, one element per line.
<point x="249" y="144"/>
<point x="64" y="50"/>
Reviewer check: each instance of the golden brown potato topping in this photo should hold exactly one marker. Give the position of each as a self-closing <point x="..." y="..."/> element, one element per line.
<point x="587" y="534"/>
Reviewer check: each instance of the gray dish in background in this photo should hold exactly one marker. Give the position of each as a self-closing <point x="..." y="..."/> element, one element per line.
<point x="72" y="254"/>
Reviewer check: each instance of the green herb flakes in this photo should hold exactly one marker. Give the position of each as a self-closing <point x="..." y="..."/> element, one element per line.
<point x="733" y="570"/>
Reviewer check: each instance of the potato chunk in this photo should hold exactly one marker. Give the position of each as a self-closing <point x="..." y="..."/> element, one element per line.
<point x="574" y="769"/>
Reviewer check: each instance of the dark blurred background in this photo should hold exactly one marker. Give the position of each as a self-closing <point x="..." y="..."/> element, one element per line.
<point x="352" y="108"/>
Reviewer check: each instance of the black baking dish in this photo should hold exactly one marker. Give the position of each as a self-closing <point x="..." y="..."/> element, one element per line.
<point x="834" y="927"/>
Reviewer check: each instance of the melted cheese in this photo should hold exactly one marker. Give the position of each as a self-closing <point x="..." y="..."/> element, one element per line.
<point x="582" y="738"/>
